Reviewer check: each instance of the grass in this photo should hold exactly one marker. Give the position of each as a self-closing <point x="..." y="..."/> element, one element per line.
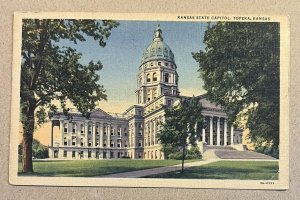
<point x="242" y="170"/>
<point x="90" y="168"/>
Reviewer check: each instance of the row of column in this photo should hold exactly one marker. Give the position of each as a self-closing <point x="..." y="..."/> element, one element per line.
<point x="218" y="132"/>
<point x="86" y="131"/>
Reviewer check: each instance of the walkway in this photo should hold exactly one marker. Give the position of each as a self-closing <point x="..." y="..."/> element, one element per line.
<point x="158" y="170"/>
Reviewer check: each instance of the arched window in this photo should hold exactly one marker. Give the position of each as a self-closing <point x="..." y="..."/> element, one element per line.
<point x="166" y="77"/>
<point x="148" y="78"/>
<point x="154" y="77"/>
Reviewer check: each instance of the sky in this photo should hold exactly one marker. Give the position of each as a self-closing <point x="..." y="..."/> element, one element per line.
<point x="123" y="52"/>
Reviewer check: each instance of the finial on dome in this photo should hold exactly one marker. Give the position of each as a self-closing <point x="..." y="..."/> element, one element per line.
<point x="158" y="33"/>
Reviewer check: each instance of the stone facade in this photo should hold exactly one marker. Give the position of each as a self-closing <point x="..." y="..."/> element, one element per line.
<point x="133" y="133"/>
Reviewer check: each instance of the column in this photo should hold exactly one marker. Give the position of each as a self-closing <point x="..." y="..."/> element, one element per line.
<point x="94" y="135"/>
<point x="211" y="130"/>
<point x="154" y="130"/>
<point x="86" y="130"/>
<point x="203" y="135"/>
<point x="51" y="137"/>
<point x="108" y="135"/>
<point x="231" y="136"/>
<point x="61" y="125"/>
<point x="225" y="132"/>
<point x="218" y="131"/>
<point x="101" y="136"/>
<point x="151" y="131"/>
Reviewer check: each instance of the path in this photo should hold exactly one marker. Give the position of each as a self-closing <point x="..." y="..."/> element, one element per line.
<point x="158" y="170"/>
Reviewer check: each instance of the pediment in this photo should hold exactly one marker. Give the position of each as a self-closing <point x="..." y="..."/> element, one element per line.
<point x="98" y="113"/>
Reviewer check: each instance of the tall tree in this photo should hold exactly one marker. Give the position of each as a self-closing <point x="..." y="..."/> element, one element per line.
<point x="50" y="71"/>
<point x="179" y="128"/>
<point x="240" y="70"/>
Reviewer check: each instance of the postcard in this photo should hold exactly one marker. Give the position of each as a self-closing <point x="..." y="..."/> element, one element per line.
<point x="150" y="100"/>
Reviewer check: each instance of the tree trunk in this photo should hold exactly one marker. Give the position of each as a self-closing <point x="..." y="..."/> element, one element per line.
<point x="183" y="157"/>
<point x="28" y="128"/>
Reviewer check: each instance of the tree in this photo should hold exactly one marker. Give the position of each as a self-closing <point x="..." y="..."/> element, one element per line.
<point x="180" y="126"/>
<point x="240" y="70"/>
<point x="50" y="72"/>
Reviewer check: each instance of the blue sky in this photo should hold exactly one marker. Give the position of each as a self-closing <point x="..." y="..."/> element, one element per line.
<point x="122" y="55"/>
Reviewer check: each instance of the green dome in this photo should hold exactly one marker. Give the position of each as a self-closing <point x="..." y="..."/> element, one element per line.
<point x="158" y="49"/>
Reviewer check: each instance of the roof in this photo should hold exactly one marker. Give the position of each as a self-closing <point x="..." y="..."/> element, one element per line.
<point x="158" y="49"/>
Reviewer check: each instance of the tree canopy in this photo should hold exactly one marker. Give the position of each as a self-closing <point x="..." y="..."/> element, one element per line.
<point x="50" y="71"/>
<point x="180" y="126"/>
<point x="240" y="70"/>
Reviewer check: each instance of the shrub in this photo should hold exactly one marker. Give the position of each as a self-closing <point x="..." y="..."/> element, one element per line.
<point x="270" y="151"/>
<point x="125" y="157"/>
<point x="192" y="153"/>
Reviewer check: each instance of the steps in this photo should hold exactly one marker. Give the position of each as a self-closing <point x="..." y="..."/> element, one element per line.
<point x="233" y="154"/>
<point x="228" y="152"/>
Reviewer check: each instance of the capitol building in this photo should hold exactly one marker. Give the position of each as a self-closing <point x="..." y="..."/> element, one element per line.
<point x="134" y="133"/>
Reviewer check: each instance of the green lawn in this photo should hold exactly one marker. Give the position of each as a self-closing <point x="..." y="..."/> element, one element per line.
<point x="243" y="170"/>
<point x="89" y="168"/>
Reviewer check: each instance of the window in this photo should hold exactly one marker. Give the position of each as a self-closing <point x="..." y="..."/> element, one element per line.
<point x="104" y="130"/>
<point x="104" y="154"/>
<point x="112" y="131"/>
<point x="97" y="130"/>
<point x="166" y="78"/>
<point x="154" y="77"/>
<point x="73" y="154"/>
<point x="74" y="141"/>
<point x="81" y="128"/>
<point x="90" y="143"/>
<point x="111" y="143"/>
<point x="125" y="132"/>
<point x="148" y="78"/>
<point x="119" y="132"/>
<point x="119" y="144"/>
<point x="140" y="143"/>
<point x="89" y="154"/>
<point x="65" y="141"/>
<point x="159" y="63"/>
<point x="166" y="64"/>
<point x="111" y="154"/>
<point x="65" y="154"/>
<point x="65" y="127"/>
<point x="81" y="142"/>
<point x="90" y="129"/>
<point x="104" y="143"/>
<point x="154" y="94"/>
<point x="74" y="127"/>
<point x="140" y="125"/>
<point x="97" y="142"/>
<point x="169" y="102"/>
<point x="125" y="143"/>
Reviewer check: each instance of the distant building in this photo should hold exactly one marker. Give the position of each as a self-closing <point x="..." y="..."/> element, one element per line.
<point x="134" y="133"/>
